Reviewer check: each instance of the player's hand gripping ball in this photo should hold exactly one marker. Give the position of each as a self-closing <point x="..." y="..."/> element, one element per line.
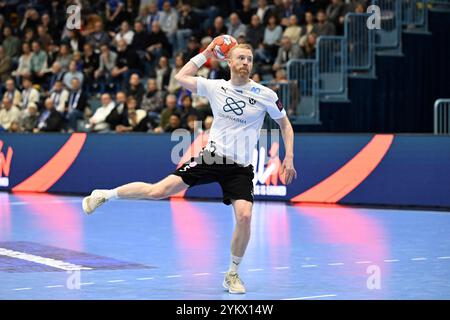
<point x="222" y="46"/>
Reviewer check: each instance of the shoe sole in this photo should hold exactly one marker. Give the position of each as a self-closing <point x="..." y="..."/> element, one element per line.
<point x="85" y="206"/>
<point x="224" y="284"/>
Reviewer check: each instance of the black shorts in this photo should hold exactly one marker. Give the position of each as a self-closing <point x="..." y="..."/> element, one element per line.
<point x="235" y="180"/>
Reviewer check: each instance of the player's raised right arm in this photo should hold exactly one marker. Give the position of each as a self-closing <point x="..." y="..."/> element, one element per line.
<point x="186" y="76"/>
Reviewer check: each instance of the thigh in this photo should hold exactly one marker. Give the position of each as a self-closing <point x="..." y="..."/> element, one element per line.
<point x="171" y="184"/>
<point x="197" y="171"/>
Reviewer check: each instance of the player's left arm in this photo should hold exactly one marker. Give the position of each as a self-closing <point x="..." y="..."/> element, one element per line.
<point x="287" y="168"/>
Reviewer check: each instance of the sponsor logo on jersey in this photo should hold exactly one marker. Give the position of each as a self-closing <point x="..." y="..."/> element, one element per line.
<point x="255" y="90"/>
<point x="279" y="105"/>
<point x="235" y="106"/>
<point x="251" y="101"/>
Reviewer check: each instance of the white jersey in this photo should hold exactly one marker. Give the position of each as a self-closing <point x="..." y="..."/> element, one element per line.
<point x="239" y="113"/>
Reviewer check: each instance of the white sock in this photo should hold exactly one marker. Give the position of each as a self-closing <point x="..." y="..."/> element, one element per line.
<point x="234" y="265"/>
<point x="111" y="194"/>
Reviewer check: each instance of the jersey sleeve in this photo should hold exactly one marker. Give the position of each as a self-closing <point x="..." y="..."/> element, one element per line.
<point x="203" y="86"/>
<point x="275" y="107"/>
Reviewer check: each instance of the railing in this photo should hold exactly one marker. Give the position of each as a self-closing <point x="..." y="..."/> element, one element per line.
<point x="389" y="36"/>
<point x="332" y="64"/>
<point x="414" y="12"/>
<point x="360" y="40"/>
<point x="442" y="116"/>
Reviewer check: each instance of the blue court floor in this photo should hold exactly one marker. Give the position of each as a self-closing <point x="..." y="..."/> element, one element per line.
<point x="179" y="249"/>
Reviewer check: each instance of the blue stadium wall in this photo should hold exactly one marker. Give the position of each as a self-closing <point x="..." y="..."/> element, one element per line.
<point x="406" y="170"/>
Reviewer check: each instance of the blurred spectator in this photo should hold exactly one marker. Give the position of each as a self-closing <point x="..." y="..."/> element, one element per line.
<point x="293" y="31"/>
<point x="5" y="66"/>
<point x="98" y="37"/>
<point x="97" y="123"/>
<point x="246" y="13"/>
<point x="170" y="109"/>
<point x="323" y="27"/>
<point x="43" y="37"/>
<point x="186" y="111"/>
<point x="336" y="12"/>
<point x="187" y="25"/>
<point x="50" y="120"/>
<point x="235" y="27"/>
<point x="64" y="57"/>
<point x="29" y="94"/>
<point x="286" y="52"/>
<point x="102" y="76"/>
<point x="72" y="74"/>
<point x="127" y="62"/>
<point x="162" y="73"/>
<point x="193" y="125"/>
<point x="76" y="104"/>
<point x="216" y="71"/>
<point x="8" y="114"/>
<point x="119" y="115"/>
<point x="12" y="93"/>
<point x="272" y="37"/>
<point x="168" y="19"/>
<point x="59" y="96"/>
<point x="30" y="20"/>
<point x="309" y="28"/>
<point x="38" y="64"/>
<point x="193" y="48"/>
<point x="174" y="123"/>
<point x="174" y="85"/>
<point x="255" y="32"/>
<point x="277" y="85"/>
<point x="288" y="8"/>
<point x="30" y="120"/>
<point x="158" y="44"/>
<point x="309" y="47"/>
<point x="11" y="44"/>
<point x="135" y="88"/>
<point x="56" y="74"/>
<point x="115" y="12"/>
<point x="218" y="28"/>
<point x="91" y="63"/>
<point x="263" y="11"/>
<point x="124" y="34"/>
<point x="149" y="14"/>
<point x="137" y="119"/>
<point x="24" y="67"/>
<point x="153" y="100"/>
<point x="74" y="40"/>
<point x="141" y="39"/>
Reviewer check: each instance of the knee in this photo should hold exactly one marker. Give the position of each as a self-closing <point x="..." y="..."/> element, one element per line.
<point x="244" y="218"/>
<point x="156" y="192"/>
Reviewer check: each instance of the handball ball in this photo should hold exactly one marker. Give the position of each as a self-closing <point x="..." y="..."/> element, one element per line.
<point x="223" y="45"/>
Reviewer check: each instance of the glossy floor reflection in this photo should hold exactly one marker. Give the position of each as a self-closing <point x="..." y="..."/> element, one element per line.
<point x="180" y="249"/>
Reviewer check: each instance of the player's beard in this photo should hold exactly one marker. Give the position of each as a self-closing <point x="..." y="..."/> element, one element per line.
<point x="243" y="72"/>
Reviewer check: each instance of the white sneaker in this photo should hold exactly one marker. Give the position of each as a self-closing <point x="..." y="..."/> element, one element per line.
<point x="233" y="283"/>
<point x="95" y="200"/>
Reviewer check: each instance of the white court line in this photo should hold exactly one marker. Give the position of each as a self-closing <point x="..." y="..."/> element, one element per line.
<point x="312" y="297"/>
<point x="391" y="260"/>
<point x="309" y="265"/>
<point x="363" y="262"/>
<point x="336" y="264"/>
<point x="87" y="283"/>
<point x="174" y="276"/>
<point x="143" y="279"/>
<point x="22" y="203"/>
<point x="443" y="257"/>
<point x="41" y="260"/>
<point x="21" y="289"/>
<point x="56" y="286"/>
<point x="201" y="274"/>
<point x="253" y="270"/>
<point x="115" y="281"/>
<point x="419" y="259"/>
<point x="281" y="268"/>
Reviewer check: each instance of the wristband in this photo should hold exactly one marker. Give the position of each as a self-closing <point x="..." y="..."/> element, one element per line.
<point x="199" y="60"/>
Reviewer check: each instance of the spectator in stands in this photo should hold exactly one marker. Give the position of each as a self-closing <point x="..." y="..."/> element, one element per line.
<point x="72" y="74"/>
<point x="263" y="11"/>
<point x="323" y="27"/>
<point x="137" y="119"/>
<point x="216" y="71"/>
<point x="29" y="94"/>
<point x="97" y="123"/>
<point x="102" y="76"/>
<point x="168" y="19"/>
<point x="64" y="57"/>
<point x="115" y="12"/>
<point x="50" y="120"/>
<point x="293" y="31"/>
<point x="140" y="39"/>
<point x="174" y="123"/>
<point x="186" y="111"/>
<point x="310" y="27"/>
<point x="218" y="28"/>
<point x="30" y="120"/>
<point x="8" y="114"/>
<point x="286" y="52"/>
<point x="281" y="81"/>
<point x="30" y="20"/>
<point x="98" y="37"/>
<point x="59" y="96"/>
<point x="162" y="73"/>
<point x="272" y="37"/>
<point x="12" y="93"/>
<point x="125" y="33"/>
<point x="24" y="67"/>
<point x="158" y="44"/>
<point x="289" y="8"/>
<point x="309" y="47"/>
<point x="43" y="37"/>
<point x="76" y="105"/>
<point x="135" y="88"/>
<point x="91" y="63"/>
<point x="193" y="48"/>
<point x="74" y="40"/>
<point x="5" y="66"/>
<point x="174" y="85"/>
<point x="11" y="44"/>
<point x="255" y="32"/>
<point x="187" y="26"/>
<point x="235" y="27"/>
<point x="119" y="115"/>
<point x="336" y="12"/>
<point x="246" y="12"/>
<point x="56" y="74"/>
<point x="127" y="62"/>
<point x="38" y="63"/>
<point x="149" y="14"/>
<point x="169" y="110"/>
<point x="153" y="100"/>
